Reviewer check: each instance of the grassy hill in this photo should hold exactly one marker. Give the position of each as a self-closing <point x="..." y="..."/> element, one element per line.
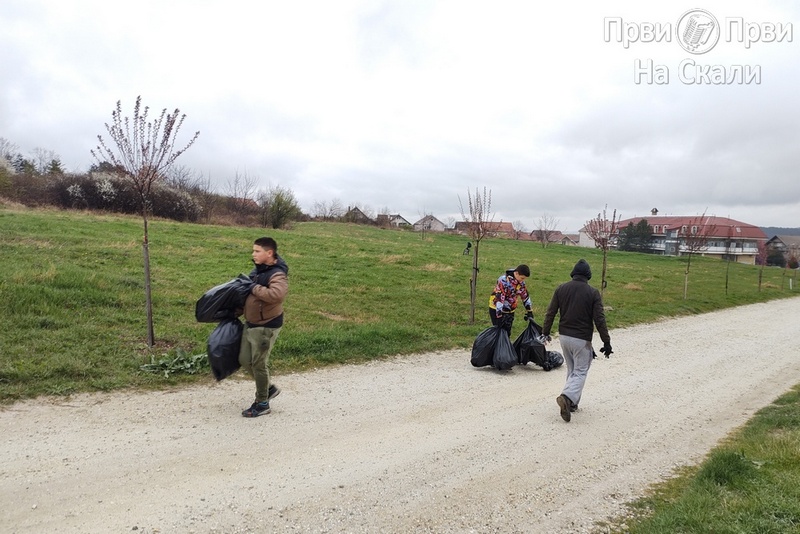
<point x="72" y="291"/>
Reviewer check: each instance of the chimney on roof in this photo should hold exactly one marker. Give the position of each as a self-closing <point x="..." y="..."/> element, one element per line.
<point x="654" y="212"/>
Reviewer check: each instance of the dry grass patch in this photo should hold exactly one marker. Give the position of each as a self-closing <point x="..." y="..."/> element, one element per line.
<point x="437" y="267"/>
<point x="395" y="258"/>
<point x="333" y="317"/>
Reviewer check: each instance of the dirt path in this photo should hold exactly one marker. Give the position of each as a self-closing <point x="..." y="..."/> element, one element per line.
<point x="419" y="444"/>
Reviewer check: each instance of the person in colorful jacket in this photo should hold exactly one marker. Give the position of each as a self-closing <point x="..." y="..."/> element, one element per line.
<point x="509" y="291"/>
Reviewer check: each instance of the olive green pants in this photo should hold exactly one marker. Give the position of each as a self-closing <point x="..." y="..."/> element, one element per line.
<point x="257" y="343"/>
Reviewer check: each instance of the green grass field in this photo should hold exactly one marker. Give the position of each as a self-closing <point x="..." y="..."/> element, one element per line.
<point x="72" y="293"/>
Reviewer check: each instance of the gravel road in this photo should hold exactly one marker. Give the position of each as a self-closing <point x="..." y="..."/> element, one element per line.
<point x="425" y="443"/>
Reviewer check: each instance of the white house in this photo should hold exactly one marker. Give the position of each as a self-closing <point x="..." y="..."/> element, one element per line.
<point x="430" y="224"/>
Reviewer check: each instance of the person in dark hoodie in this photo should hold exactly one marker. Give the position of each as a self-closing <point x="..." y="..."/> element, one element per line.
<point x="580" y="306"/>
<point x="263" y="314"/>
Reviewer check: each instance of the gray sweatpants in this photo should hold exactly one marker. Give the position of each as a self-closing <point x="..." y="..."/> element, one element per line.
<point x="578" y="357"/>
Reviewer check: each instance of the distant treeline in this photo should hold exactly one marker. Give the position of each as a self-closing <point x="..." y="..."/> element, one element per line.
<point x="776" y="230"/>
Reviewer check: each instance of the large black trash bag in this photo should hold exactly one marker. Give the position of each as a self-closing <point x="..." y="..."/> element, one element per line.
<point x="483" y="347"/>
<point x="220" y="302"/>
<point x="527" y="347"/>
<point x="554" y="359"/>
<point x="223" y="348"/>
<point x="504" y="355"/>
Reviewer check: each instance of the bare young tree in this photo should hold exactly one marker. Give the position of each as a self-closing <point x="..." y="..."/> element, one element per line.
<point x="242" y="191"/>
<point x="7" y="149"/>
<point x="519" y="229"/>
<point x="335" y="209"/>
<point x="202" y="191"/>
<point x="328" y="211"/>
<point x="694" y="239"/>
<point x="545" y="229"/>
<point x="144" y="150"/>
<point x="181" y="177"/>
<point x="602" y="231"/>
<point x="478" y="221"/>
<point x="43" y="160"/>
<point x="320" y="210"/>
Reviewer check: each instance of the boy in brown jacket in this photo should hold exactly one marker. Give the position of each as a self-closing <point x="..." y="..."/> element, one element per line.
<point x="263" y="314"/>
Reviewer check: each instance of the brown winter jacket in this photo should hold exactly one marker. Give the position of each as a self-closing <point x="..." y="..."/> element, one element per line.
<point x="265" y="301"/>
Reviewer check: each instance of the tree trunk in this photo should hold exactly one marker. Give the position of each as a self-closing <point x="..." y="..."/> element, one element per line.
<point x="603" y="275"/>
<point x="147" y="289"/>
<point x="727" y="271"/>
<point x="473" y="285"/>
<point x="686" y="279"/>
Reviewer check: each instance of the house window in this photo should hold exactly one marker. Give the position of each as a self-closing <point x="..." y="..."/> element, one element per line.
<point x="694" y="230"/>
<point x="655" y="229"/>
<point x="683" y="229"/>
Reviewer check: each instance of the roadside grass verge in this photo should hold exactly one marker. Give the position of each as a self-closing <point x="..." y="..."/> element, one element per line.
<point x="750" y="483"/>
<point x="72" y="294"/>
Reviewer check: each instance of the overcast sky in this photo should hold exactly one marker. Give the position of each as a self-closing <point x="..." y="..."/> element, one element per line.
<point x="407" y="105"/>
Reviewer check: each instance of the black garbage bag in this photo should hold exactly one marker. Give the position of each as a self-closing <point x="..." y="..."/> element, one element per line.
<point x="504" y="355"/>
<point x="527" y="347"/>
<point x="483" y="347"/>
<point x="220" y="302"/>
<point x="223" y="348"/>
<point x="554" y="359"/>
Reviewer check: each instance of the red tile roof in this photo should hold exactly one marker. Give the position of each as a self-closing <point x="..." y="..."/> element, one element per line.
<point x="722" y="227"/>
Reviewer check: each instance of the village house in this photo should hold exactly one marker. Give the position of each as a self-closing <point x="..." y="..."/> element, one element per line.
<point x="788" y="245"/>
<point x="494" y="229"/>
<point x="429" y="223"/>
<point x="392" y="221"/>
<point x="555" y="237"/>
<point x="724" y="238"/>
<point x="355" y="215"/>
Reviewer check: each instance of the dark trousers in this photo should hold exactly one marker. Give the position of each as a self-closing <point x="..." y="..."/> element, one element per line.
<point x="506" y="320"/>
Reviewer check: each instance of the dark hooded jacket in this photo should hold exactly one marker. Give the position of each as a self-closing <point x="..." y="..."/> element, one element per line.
<point x="580" y="306"/>
<point x="264" y="304"/>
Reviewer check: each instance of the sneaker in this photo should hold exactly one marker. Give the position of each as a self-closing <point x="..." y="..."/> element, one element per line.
<point x="273" y="392"/>
<point x="564" y="403"/>
<point x="258" y="408"/>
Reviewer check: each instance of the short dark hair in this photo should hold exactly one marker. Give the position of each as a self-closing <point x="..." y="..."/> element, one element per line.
<point x="267" y="243"/>
<point x="523" y="269"/>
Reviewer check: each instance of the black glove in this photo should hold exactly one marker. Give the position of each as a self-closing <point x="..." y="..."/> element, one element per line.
<point x="594" y="354"/>
<point x="607" y="350"/>
<point x="529" y="315"/>
<point x="507" y="320"/>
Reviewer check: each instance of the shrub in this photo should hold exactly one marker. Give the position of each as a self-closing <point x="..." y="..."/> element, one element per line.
<point x="31" y="189"/>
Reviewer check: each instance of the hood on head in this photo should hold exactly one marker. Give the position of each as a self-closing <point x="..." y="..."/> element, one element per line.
<point x="582" y="269"/>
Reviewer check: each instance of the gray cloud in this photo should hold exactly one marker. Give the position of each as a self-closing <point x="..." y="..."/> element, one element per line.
<point x="408" y="106"/>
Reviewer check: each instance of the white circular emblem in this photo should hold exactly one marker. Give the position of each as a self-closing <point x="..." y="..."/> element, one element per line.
<point x="697" y="31"/>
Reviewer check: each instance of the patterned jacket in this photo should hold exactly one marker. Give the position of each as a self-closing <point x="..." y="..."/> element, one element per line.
<point x="507" y="293"/>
